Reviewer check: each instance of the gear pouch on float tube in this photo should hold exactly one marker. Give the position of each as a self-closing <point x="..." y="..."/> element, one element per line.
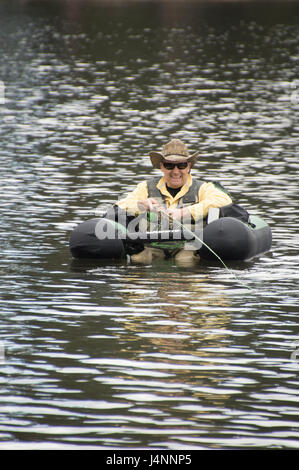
<point x="235" y="211"/>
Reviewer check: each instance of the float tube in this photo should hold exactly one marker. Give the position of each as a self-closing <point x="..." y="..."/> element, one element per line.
<point x="230" y="238"/>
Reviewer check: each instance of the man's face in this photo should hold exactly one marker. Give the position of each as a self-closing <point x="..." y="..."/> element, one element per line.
<point x="175" y="176"/>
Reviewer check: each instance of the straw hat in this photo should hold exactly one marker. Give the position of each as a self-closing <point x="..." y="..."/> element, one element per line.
<point x="173" y="151"/>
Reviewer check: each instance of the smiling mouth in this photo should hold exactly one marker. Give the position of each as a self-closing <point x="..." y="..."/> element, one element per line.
<point x="176" y="180"/>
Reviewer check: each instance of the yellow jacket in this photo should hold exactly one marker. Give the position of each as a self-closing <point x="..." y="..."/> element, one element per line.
<point x="208" y="196"/>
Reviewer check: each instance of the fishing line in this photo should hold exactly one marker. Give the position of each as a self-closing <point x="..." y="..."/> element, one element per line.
<point x="182" y="226"/>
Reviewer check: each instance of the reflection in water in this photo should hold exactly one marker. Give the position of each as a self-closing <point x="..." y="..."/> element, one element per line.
<point x="172" y="298"/>
<point x="172" y="328"/>
<point x="174" y="331"/>
<point x="162" y="356"/>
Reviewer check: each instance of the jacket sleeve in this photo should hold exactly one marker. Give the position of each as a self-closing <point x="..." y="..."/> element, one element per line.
<point x="209" y="196"/>
<point x="130" y="202"/>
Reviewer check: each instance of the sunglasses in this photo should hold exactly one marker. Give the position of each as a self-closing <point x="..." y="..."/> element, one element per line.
<point x="171" y="166"/>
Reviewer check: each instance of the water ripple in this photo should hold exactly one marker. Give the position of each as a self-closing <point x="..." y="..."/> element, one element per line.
<point x="114" y="355"/>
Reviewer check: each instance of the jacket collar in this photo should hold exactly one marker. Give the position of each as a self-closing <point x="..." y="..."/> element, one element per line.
<point x="184" y="189"/>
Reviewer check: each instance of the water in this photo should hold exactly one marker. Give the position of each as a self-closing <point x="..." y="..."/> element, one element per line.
<point x="115" y="355"/>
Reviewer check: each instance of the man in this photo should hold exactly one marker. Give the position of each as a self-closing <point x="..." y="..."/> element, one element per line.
<point x="181" y="196"/>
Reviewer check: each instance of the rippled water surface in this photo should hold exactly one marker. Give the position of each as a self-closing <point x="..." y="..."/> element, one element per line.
<point x="117" y="355"/>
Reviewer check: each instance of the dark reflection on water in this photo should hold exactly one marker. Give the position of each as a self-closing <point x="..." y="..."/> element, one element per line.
<point x="162" y="356"/>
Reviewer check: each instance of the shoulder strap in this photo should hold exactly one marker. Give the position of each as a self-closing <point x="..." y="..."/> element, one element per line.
<point x="218" y="185"/>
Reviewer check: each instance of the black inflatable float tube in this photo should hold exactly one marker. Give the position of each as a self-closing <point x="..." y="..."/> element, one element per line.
<point x="228" y="237"/>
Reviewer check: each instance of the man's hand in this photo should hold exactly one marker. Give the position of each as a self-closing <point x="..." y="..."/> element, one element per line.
<point x="149" y="204"/>
<point x="177" y="214"/>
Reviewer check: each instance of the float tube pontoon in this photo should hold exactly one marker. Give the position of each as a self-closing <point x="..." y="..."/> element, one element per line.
<point x="235" y="237"/>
